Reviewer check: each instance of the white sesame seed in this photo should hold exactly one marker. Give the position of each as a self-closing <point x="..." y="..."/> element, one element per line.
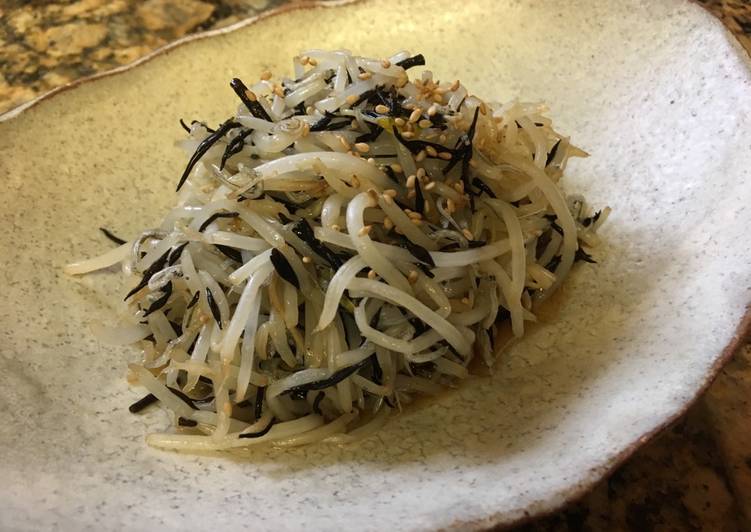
<point x="304" y="60"/>
<point x="465" y="300"/>
<point x="354" y="182"/>
<point x="381" y="109"/>
<point x="412" y="276"/>
<point x="408" y="135"/>
<point x="415" y="215"/>
<point x="310" y="110"/>
<point x="365" y="75"/>
<point x="425" y="123"/>
<point x="430" y="186"/>
<point x="415" y="115"/>
<point x="390" y="192"/>
<point x="483" y="109"/>
<point x="265" y="75"/>
<point x="399" y="122"/>
<point x="454" y="85"/>
<point x="335" y="227"/>
<point x="420" y="156"/>
<point x="362" y="147"/>
<point x="396" y="167"/>
<point x="411" y="181"/>
<point x="352" y="98"/>
<point x="431" y="151"/>
<point x="364" y="230"/>
<point x="388" y="224"/>
<point x="371" y="161"/>
<point x="468" y="234"/>
<point x="432" y="110"/>
<point x="446" y="156"/>
<point x="371" y="274"/>
<point x="306" y="260"/>
<point x="385" y="63"/>
<point x="312" y="62"/>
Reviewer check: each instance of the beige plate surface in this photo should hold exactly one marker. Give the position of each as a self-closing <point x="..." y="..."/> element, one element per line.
<point x="657" y="91"/>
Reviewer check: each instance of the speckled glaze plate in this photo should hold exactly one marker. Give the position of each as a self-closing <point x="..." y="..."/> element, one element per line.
<point x="660" y="95"/>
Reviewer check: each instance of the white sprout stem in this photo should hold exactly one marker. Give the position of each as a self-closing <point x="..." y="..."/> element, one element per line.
<point x="341" y="164"/>
<point x="112" y="257"/>
<point x="364" y="245"/>
<point x="245" y="318"/>
<point x="336" y="289"/>
<point x="394" y="296"/>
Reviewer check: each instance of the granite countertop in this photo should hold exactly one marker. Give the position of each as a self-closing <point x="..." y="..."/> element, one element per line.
<point x="695" y="475"/>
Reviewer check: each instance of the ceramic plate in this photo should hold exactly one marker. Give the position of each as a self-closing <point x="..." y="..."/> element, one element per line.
<point x="657" y="92"/>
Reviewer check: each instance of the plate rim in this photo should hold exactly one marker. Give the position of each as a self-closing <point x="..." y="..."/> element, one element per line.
<point x="570" y="494"/>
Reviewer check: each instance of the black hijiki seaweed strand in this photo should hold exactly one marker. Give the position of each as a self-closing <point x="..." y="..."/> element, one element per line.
<point x="589" y="220"/>
<point x="261" y="432"/>
<point x="234" y="147"/>
<point x="583" y="256"/>
<point x="204" y="146"/>
<point x="418" y="252"/>
<point x="479" y="183"/>
<point x="185" y="422"/>
<point x="114" y="238"/>
<point x="229" y="252"/>
<point x="193" y="300"/>
<point x="416" y="146"/>
<point x="552" y="152"/>
<point x="334" y="379"/>
<point x="214" y="217"/>
<point x="142" y="403"/>
<point x="372" y="135"/>
<point x="325" y="123"/>
<point x="284" y="268"/>
<point x="159" y="303"/>
<point x="303" y="230"/>
<point x="214" y="308"/>
<point x="255" y="108"/>
<point x="419" y="198"/>
<point x="156" y="266"/>
<point x="150" y="399"/>
<point x="176" y="253"/>
<point x="258" y="409"/>
<point x="415" y="60"/>
<point x="317" y="403"/>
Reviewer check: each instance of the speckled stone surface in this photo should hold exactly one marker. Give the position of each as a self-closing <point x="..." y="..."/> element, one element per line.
<point x="682" y="480"/>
